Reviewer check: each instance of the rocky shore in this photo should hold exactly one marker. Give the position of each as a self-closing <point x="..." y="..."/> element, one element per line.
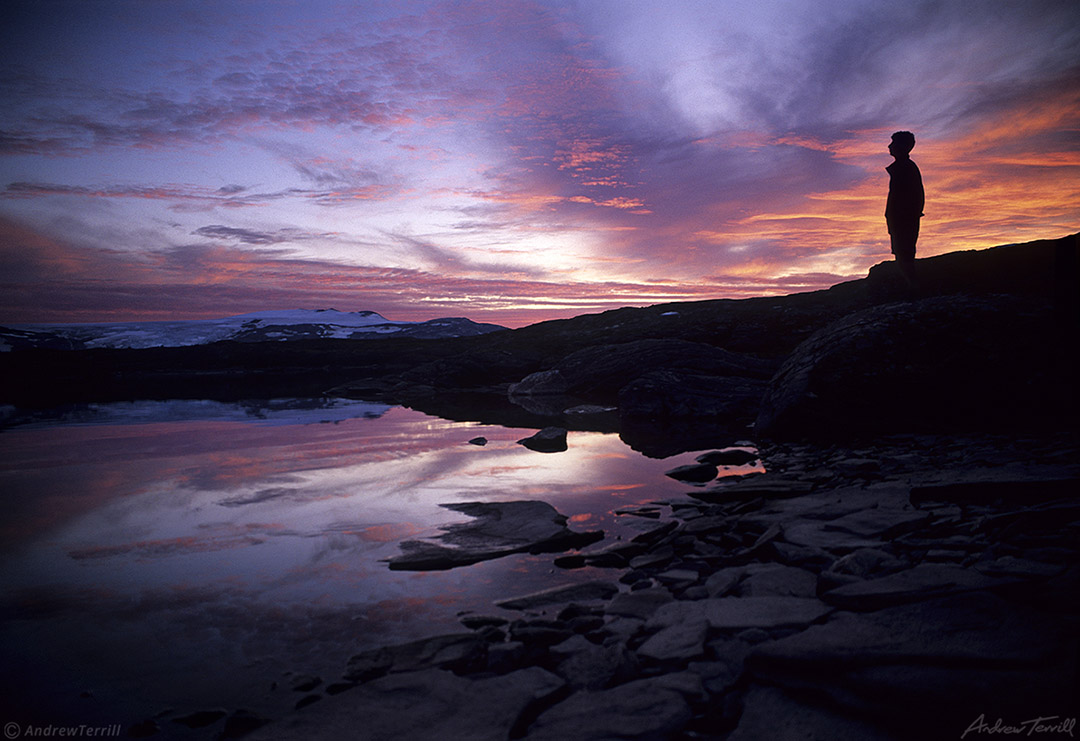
<point x="910" y="586"/>
<point x="906" y="567"/>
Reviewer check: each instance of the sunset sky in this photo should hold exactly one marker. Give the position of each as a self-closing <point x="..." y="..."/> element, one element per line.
<point x="512" y="160"/>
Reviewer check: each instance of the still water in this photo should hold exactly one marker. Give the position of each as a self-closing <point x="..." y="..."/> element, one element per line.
<point x="161" y="557"/>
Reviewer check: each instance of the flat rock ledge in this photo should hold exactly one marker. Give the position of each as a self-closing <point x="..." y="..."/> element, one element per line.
<point x="497" y="529"/>
<point x="843" y="596"/>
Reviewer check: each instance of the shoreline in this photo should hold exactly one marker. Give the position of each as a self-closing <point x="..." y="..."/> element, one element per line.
<point x="758" y="603"/>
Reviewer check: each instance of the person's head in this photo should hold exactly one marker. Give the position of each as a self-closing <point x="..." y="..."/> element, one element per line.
<point x="902" y="143"/>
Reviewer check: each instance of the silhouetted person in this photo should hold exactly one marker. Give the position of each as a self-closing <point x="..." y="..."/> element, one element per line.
<point x="904" y="207"/>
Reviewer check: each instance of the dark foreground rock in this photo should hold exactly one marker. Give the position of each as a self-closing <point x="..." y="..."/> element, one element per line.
<point x="497" y="529"/>
<point x="884" y="601"/>
<point x="429" y="704"/>
<point x="948" y="362"/>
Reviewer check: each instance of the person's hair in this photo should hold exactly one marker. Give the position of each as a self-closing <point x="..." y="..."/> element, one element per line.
<point x="904" y="140"/>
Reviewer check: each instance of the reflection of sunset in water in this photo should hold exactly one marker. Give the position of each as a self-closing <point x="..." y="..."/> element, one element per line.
<point x="250" y="535"/>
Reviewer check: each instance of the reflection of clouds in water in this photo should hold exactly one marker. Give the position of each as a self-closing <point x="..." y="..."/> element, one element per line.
<point x="259" y="542"/>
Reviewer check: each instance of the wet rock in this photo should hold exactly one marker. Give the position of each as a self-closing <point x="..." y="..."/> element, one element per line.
<point x="762" y="485"/>
<point x="541" y="383"/>
<point x="879" y="522"/>
<point x="676" y="643"/>
<point x="728" y="457"/>
<point x="864" y="563"/>
<point x="540" y="634"/>
<point x="677" y="577"/>
<point x="460" y="651"/>
<point x="475" y="622"/>
<point x="732" y="613"/>
<point x="782" y="581"/>
<point x="575" y="561"/>
<point x="694" y="472"/>
<point x="723" y="581"/>
<point x="480" y="441"/>
<point x="622" y="629"/>
<point x="817" y="534"/>
<point x="641" y="604"/>
<point x="641" y="709"/>
<point x="598" y="373"/>
<point x="428" y="704"/>
<point x="726" y="667"/>
<point x="547" y="440"/>
<point x="676" y="394"/>
<point x="591" y="590"/>
<point x="918" y="583"/>
<point x="497" y="529"/>
<point x="653" y="559"/>
<point x="655" y="534"/>
<point x="597" y="667"/>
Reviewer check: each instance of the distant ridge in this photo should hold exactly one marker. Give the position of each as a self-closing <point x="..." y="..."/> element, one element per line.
<point x="259" y="326"/>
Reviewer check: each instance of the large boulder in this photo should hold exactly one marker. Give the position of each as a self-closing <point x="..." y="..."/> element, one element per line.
<point x="673" y="394"/>
<point x="938" y="364"/>
<point x="598" y="373"/>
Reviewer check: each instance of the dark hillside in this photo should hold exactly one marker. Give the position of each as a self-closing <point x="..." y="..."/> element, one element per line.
<point x="425" y="373"/>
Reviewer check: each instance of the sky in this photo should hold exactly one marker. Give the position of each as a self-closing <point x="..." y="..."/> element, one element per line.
<point x="511" y="161"/>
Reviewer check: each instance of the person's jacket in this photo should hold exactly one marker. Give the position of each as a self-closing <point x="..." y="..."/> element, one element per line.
<point x="906" y="196"/>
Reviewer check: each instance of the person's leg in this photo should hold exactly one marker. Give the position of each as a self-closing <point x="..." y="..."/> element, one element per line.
<point x="903" y="239"/>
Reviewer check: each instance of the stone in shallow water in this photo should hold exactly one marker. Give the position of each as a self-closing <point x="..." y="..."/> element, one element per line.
<point x="431" y="704"/>
<point x="453" y="651"/>
<point x="729" y="457"/>
<point x="590" y="590"/>
<point x="547" y="440"/>
<point x="693" y="472"/>
<point x="497" y="529"/>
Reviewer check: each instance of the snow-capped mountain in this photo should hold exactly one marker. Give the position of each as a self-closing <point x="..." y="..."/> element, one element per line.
<point x="260" y="326"/>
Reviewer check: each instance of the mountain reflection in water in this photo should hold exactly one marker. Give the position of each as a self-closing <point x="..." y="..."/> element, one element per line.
<point x="189" y="554"/>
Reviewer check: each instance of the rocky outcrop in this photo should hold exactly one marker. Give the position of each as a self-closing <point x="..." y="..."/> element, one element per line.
<point x="896" y="590"/>
<point x="938" y="364"/>
<point x="655" y="379"/>
<point x="497" y="529"/>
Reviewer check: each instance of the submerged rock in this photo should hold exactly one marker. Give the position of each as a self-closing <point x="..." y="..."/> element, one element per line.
<point x="498" y="529"/>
